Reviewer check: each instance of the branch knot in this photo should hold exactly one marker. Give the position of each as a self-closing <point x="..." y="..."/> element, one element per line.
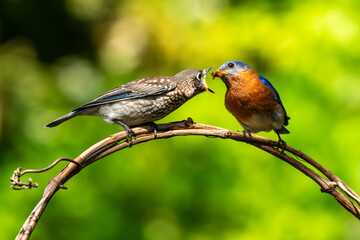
<point x="328" y="187"/>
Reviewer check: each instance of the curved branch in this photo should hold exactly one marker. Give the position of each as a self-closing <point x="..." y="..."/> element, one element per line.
<point x="329" y="184"/>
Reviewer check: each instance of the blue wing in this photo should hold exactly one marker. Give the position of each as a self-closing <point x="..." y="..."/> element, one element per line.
<point x="277" y="96"/>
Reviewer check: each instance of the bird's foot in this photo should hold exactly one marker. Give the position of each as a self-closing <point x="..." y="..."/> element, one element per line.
<point x="246" y="132"/>
<point x="154" y="128"/>
<point x="282" y="145"/>
<point x="129" y="133"/>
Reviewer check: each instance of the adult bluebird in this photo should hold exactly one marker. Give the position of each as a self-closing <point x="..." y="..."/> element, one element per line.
<point x="252" y="100"/>
<point x="143" y="100"/>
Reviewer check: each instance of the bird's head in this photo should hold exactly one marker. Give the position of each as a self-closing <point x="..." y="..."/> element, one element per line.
<point x="192" y="81"/>
<point x="231" y="69"/>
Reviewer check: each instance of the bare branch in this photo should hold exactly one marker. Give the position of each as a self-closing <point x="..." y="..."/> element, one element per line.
<point x="114" y="143"/>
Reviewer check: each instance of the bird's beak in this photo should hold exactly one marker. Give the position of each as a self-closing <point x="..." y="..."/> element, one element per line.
<point x="218" y="73"/>
<point x="209" y="90"/>
<point x="205" y="71"/>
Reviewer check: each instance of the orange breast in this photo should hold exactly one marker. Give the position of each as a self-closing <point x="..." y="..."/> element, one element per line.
<point x="247" y="95"/>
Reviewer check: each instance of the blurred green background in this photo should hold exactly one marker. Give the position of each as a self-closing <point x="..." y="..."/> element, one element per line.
<point x="56" y="55"/>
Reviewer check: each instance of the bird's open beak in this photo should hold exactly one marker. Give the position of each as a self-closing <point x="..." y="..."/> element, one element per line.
<point x="209" y="90"/>
<point x="205" y="71"/>
<point x="218" y="73"/>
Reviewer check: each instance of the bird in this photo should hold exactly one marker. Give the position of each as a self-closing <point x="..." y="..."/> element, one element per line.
<point x="143" y="101"/>
<point x="252" y="100"/>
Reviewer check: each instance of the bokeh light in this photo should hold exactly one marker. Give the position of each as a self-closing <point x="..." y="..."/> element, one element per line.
<point x="57" y="55"/>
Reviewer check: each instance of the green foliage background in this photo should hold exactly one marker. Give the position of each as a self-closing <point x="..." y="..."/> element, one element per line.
<point x="56" y="55"/>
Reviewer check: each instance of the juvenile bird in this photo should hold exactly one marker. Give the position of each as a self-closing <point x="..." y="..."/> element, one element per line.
<point x="143" y="100"/>
<point x="252" y="100"/>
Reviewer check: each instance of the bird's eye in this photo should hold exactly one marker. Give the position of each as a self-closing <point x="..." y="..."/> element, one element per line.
<point x="198" y="76"/>
<point x="231" y="64"/>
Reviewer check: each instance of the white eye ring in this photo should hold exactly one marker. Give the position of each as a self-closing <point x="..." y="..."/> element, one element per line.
<point x="198" y="76"/>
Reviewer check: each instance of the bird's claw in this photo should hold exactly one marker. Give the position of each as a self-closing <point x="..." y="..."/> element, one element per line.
<point x="282" y="145"/>
<point x="246" y="132"/>
<point x="154" y="128"/>
<point x="129" y="132"/>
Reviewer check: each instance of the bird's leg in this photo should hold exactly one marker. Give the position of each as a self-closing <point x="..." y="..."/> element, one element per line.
<point x="281" y="143"/>
<point x="155" y="128"/>
<point x="129" y="132"/>
<point x="246" y="132"/>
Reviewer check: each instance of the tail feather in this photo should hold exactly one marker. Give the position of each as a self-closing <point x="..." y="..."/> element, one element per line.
<point x="61" y="119"/>
<point x="282" y="130"/>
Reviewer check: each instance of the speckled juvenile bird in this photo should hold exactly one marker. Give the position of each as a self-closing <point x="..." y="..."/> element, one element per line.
<point x="143" y="100"/>
<point x="252" y="99"/>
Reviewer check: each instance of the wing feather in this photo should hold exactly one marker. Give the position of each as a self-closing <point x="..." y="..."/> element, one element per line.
<point x="277" y="97"/>
<point x="136" y="89"/>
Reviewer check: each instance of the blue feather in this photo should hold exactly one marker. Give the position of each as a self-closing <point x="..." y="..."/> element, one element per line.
<point x="267" y="83"/>
<point x="118" y="97"/>
<point x="277" y="96"/>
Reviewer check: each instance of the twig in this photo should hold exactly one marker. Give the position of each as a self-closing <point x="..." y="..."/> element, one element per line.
<point x="328" y="184"/>
<point x="17" y="184"/>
